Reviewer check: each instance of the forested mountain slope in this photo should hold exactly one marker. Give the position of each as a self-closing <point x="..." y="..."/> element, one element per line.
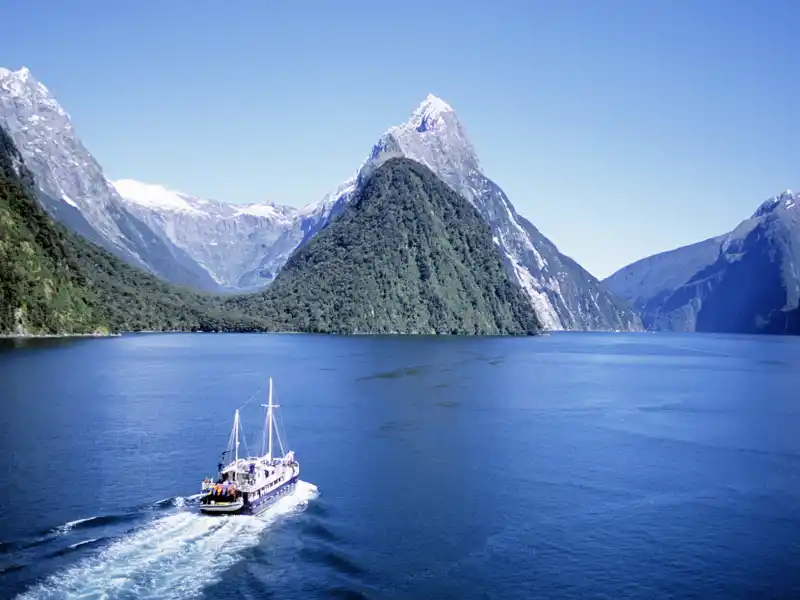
<point x="406" y="255"/>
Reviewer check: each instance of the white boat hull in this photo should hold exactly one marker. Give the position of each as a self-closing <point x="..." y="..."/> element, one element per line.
<point x="251" y="508"/>
<point x="222" y="508"/>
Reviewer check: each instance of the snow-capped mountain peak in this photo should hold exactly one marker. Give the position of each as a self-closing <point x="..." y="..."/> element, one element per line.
<point x="159" y="199"/>
<point x="63" y="168"/>
<point x="429" y="114"/>
<point x="563" y="295"/>
<point x="210" y="244"/>
<point x="229" y="241"/>
<point x="432" y="136"/>
<point x="155" y="197"/>
<point x="785" y="199"/>
<point x="22" y="82"/>
<point x="22" y="74"/>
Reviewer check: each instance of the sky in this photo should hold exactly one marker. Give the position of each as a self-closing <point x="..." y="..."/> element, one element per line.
<point x="620" y="128"/>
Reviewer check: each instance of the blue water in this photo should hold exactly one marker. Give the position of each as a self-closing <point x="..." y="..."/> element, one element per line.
<point x="564" y="466"/>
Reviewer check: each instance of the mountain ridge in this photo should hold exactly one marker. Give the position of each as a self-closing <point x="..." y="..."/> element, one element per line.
<point x="452" y="281"/>
<point x="744" y="281"/>
<point x="72" y="186"/>
<point x="564" y="295"/>
<point x="406" y="255"/>
<point x="214" y="252"/>
<point x="55" y="282"/>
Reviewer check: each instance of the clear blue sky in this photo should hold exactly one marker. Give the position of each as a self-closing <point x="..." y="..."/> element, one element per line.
<point x="619" y="127"/>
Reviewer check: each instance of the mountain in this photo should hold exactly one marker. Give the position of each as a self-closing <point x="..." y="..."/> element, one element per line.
<point x="216" y="246"/>
<point x="53" y="281"/>
<point x="73" y="188"/>
<point x="564" y="295"/>
<point x="242" y="247"/>
<point x="746" y="281"/>
<point x="37" y="288"/>
<point x="441" y="273"/>
<point x="406" y="255"/>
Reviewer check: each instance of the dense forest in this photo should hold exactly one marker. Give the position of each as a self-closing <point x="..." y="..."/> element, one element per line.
<point x="54" y="282"/>
<point x="407" y="255"/>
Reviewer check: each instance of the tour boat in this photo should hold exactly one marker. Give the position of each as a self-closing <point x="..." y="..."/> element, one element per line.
<point x="249" y="485"/>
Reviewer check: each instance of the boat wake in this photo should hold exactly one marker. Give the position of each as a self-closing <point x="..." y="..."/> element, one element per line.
<point x="174" y="556"/>
<point x="90" y="522"/>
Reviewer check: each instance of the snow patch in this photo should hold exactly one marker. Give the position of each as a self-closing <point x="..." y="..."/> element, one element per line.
<point x="17" y="164"/>
<point x="547" y="314"/>
<point x="428" y="114"/>
<point x="262" y="210"/>
<point x="217" y="279"/>
<point x="431" y="107"/>
<point x="153" y="196"/>
<point x="16" y="81"/>
<point x="69" y="200"/>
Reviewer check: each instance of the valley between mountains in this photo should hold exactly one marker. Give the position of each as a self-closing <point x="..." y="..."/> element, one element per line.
<point x="81" y="253"/>
<point x="212" y="246"/>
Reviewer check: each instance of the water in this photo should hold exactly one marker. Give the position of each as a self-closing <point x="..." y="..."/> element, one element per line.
<point x="565" y="466"/>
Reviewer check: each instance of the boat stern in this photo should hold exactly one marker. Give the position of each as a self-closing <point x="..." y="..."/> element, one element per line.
<point x="222" y="508"/>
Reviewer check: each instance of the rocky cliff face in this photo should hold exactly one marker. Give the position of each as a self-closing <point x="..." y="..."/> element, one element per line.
<point x="217" y="246"/>
<point x="231" y="242"/>
<point x="564" y="295"/>
<point x="746" y="281"/>
<point x="72" y="186"/>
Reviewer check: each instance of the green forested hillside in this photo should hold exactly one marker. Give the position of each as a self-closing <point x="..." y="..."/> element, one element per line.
<point x="39" y="289"/>
<point x="408" y="255"/>
<point x="53" y="281"/>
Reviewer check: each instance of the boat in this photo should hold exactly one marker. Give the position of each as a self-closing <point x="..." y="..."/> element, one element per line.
<point x="249" y="485"/>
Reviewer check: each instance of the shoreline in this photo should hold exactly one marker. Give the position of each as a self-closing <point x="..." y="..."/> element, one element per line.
<point x="543" y="333"/>
<point x="32" y="336"/>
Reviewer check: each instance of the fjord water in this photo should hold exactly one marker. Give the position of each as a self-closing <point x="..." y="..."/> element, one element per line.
<point x="564" y="466"/>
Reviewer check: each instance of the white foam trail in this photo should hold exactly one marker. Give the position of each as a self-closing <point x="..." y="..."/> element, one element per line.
<point x="67" y="526"/>
<point x="79" y="544"/>
<point x="180" y="501"/>
<point x="175" y="557"/>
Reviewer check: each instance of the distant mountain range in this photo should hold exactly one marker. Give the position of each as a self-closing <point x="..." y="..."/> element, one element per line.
<point x="407" y="255"/>
<point x="241" y="247"/>
<point x="745" y="281"/>
<point x="54" y="281"/>
<point x="73" y="189"/>
<point x="215" y="246"/>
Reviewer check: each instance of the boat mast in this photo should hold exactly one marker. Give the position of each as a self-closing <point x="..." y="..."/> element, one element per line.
<point x="269" y="418"/>
<point x="266" y="438"/>
<point x="266" y="423"/>
<point x="236" y="435"/>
